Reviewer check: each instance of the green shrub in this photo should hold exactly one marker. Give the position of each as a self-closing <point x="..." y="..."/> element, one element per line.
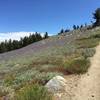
<point x="87" y="43"/>
<point x="77" y="66"/>
<point x="96" y="36"/>
<point x="88" y="52"/>
<point x="33" y="92"/>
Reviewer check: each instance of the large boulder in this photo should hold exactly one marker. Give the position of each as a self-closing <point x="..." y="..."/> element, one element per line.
<point x="56" y="85"/>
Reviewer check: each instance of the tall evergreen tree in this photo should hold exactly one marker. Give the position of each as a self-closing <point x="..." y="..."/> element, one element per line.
<point x="97" y="17"/>
<point x="74" y="27"/>
<point x="46" y="35"/>
<point x="62" y="31"/>
<point x="81" y="26"/>
<point x="78" y="27"/>
<point x="38" y="36"/>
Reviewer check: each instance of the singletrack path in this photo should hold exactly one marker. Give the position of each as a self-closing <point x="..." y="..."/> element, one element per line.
<point x="86" y="86"/>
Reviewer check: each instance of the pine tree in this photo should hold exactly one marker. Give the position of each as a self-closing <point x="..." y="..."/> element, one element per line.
<point x="74" y="27"/>
<point x="81" y="26"/>
<point x="62" y="31"/>
<point x="78" y="27"/>
<point x="97" y="17"/>
<point x="46" y="35"/>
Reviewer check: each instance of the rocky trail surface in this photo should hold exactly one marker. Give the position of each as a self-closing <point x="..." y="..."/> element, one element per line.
<point x="83" y="87"/>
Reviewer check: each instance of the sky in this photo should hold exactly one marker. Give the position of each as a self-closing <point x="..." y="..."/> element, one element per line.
<point x="45" y="15"/>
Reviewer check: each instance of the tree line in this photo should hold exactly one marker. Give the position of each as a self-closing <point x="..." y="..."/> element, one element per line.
<point x="16" y="44"/>
<point x="96" y="16"/>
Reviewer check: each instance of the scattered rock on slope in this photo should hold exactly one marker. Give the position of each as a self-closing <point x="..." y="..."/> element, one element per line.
<point x="57" y="84"/>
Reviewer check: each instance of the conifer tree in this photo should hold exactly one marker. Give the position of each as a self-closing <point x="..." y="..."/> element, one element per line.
<point x="97" y="17"/>
<point x="46" y="35"/>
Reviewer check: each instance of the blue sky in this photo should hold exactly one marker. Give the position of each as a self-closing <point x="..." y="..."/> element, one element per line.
<point x="44" y="15"/>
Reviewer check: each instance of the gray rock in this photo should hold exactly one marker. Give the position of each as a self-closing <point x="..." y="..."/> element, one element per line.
<point x="57" y="84"/>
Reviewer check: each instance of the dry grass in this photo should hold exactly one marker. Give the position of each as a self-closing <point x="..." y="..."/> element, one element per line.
<point x="33" y="92"/>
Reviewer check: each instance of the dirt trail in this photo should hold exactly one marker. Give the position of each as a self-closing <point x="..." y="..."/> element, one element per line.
<point x="84" y="87"/>
<point x="89" y="85"/>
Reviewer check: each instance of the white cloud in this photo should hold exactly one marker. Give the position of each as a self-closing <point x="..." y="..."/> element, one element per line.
<point x="15" y="35"/>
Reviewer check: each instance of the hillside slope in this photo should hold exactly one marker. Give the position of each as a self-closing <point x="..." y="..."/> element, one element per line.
<point x="66" y="55"/>
<point x="36" y="47"/>
<point x="66" y="38"/>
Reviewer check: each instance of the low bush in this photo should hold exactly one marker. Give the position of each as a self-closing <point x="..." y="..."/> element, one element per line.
<point x="87" y="43"/>
<point x="96" y="36"/>
<point x="77" y="66"/>
<point x="88" y="52"/>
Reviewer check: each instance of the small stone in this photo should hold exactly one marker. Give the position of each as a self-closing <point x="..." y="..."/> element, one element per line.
<point x="92" y="95"/>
